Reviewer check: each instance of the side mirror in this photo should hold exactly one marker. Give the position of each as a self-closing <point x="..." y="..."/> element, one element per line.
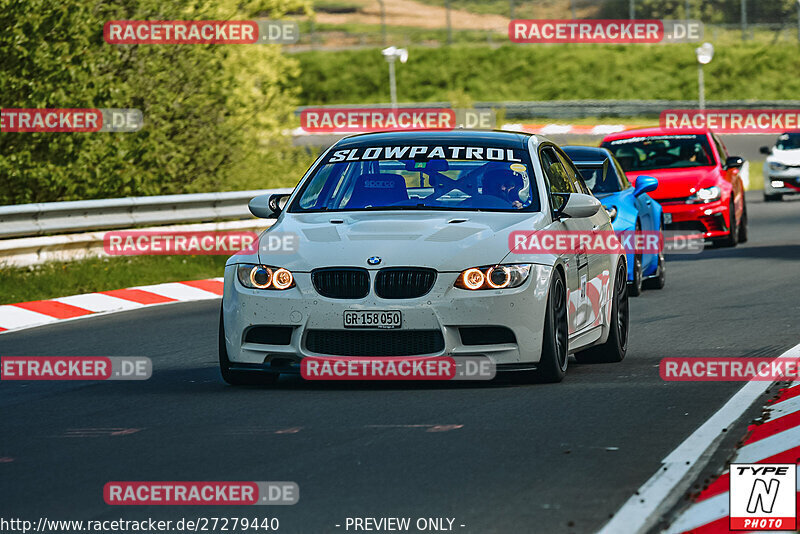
<point x="268" y="206"/>
<point x="645" y="184"/>
<point x="579" y="206"/>
<point x="733" y="162"/>
<point x="765" y="150"/>
<point x="278" y="202"/>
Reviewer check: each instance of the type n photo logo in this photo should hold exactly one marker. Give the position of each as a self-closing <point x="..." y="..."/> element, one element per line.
<point x="763" y="497"/>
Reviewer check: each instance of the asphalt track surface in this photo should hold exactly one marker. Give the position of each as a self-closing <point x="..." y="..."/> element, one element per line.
<point x="497" y="457"/>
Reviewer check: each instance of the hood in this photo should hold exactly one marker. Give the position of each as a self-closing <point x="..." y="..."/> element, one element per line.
<point x="677" y="183"/>
<point x="787" y="157"/>
<point x="445" y="241"/>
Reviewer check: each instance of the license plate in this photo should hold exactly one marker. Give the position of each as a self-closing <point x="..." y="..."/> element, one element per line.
<point x="667" y="218"/>
<point x="372" y="319"/>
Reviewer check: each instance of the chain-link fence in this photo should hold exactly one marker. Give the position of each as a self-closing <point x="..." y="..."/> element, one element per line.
<point x="726" y="21"/>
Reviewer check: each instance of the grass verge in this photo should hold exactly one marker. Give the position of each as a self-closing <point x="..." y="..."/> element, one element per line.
<point x="60" y="279"/>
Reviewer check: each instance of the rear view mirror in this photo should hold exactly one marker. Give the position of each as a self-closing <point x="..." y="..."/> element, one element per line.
<point x="579" y="206"/>
<point x="645" y="184"/>
<point x="765" y="150"/>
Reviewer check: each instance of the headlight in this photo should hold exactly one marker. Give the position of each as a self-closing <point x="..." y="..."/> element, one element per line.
<point x="264" y="277"/>
<point x="612" y="212"/>
<point x="494" y="277"/>
<point x="775" y="166"/>
<point x="709" y="194"/>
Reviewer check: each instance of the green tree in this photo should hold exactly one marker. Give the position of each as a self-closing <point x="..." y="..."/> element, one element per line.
<point x="209" y="110"/>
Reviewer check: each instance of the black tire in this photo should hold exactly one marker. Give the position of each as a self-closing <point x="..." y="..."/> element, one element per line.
<point x="635" y="287"/>
<point x="743" y="226"/>
<point x="555" y="341"/>
<point x="240" y="378"/>
<point x="733" y="236"/>
<point x="773" y="198"/>
<point x="616" y="346"/>
<point x="660" y="280"/>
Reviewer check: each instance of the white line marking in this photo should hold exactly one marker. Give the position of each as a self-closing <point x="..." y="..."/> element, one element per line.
<point x="643" y="509"/>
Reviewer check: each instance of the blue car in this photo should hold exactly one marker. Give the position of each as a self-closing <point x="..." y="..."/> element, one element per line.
<point x="631" y="209"/>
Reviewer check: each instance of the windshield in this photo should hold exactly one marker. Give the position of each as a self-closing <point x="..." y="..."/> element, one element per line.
<point x="434" y="177"/>
<point x="600" y="177"/>
<point x="661" y="152"/>
<point x="788" y="141"/>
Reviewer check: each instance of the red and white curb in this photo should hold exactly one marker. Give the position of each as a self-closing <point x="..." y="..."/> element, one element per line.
<point x="543" y="129"/>
<point x="778" y="441"/>
<point x="775" y="441"/>
<point x="28" y="314"/>
<point x="572" y="129"/>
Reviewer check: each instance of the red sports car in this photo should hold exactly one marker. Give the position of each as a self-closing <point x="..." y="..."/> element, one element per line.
<point x="699" y="184"/>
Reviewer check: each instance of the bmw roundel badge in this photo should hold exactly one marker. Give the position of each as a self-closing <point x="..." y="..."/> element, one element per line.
<point x="374" y="260"/>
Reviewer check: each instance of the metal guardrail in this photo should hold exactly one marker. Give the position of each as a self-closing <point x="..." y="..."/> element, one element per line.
<point x="572" y="109"/>
<point x="25" y="220"/>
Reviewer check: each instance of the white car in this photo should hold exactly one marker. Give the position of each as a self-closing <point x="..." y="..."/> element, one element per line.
<point x="401" y="247"/>
<point x="782" y="168"/>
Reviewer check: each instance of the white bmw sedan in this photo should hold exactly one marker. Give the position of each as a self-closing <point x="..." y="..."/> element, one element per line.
<point x="411" y="244"/>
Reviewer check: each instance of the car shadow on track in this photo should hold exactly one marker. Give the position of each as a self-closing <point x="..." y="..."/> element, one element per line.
<point x="772" y="252"/>
<point x="208" y="379"/>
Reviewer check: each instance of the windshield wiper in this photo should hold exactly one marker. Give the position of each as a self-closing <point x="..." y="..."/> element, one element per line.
<point x="416" y="207"/>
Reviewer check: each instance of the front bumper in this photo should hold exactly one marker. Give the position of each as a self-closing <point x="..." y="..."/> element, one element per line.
<point x="301" y="312"/>
<point x="710" y="220"/>
<point x="790" y="181"/>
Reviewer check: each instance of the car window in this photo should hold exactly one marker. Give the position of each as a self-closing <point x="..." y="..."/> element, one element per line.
<point x="557" y="177"/>
<point x="600" y="177"/>
<point x="617" y="169"/>
<point x="643" y="153"/>
<point x="788" y="141"/>
<point x="723" y="152"/>
<point x="573" y="174"/>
